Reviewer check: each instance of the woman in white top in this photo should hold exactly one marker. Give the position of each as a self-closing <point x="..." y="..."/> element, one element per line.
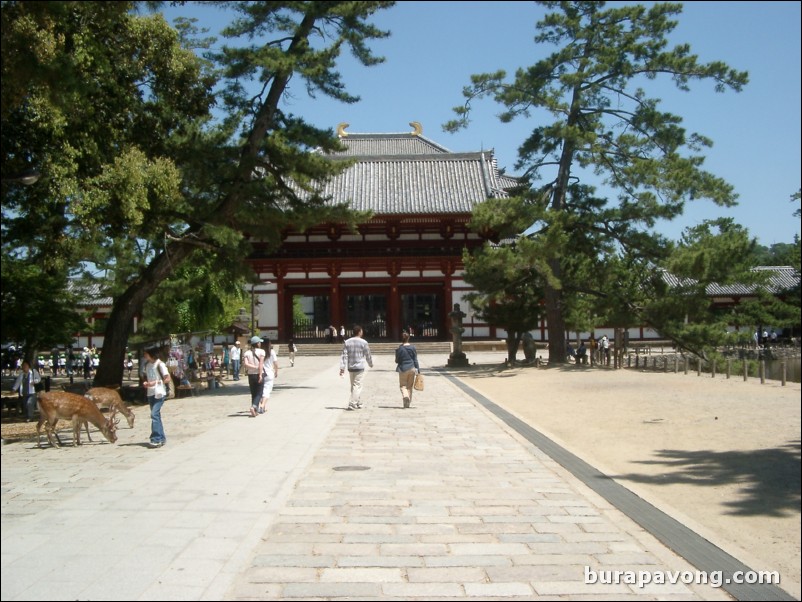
<point x="270" y="374"/>
<point x="155" y="375"/>
<point x="254" y="362"/>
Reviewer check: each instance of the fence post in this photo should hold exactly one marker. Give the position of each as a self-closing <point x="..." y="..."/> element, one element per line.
<point x="698" y="366"/>
<point x="713" y="369"/>
<point x="784" y="368"/>
<point x="746" y="370"/>
<point x="762" y="372"/>
<point x="686" y="364"/>
<point x="676" y="364"/>
<point x="729" y="367"/>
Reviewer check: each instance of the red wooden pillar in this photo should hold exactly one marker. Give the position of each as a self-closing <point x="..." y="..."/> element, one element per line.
<point x="282" y="312"/>
<point x="394" y="325"/>
<point x="335" y="308"/>
<point x="448" y="268"/>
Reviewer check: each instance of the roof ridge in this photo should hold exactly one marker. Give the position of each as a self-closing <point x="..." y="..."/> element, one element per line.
<point x="413" y="156"/>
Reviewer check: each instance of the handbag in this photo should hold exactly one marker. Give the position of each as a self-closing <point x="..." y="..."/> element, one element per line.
<point x="418" y="384"/>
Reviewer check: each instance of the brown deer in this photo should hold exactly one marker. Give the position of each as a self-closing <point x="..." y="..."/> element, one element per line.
<point x="57" y="405"/>
<point x="110" y="398"/>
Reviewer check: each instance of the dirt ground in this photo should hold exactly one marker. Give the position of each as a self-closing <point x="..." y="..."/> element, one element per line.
<point x="722" y="456"/>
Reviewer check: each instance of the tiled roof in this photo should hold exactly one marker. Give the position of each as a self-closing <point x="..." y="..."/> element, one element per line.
<point x="389" y="144"/>
<point x="417" y="184"/>
<point x="410" y="174"/>
<point x="90" y="295"/>
<point x="780" y="279"/>
<point x="508" y="182"/>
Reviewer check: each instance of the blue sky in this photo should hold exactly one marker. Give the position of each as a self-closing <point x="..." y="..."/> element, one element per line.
<point x="436" y="46"/>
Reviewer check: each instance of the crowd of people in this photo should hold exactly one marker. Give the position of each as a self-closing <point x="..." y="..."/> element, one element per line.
<point x="56" y="363"/>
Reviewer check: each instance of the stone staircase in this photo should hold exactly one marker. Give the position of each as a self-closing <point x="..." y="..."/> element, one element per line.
<point x="334" y="349"/>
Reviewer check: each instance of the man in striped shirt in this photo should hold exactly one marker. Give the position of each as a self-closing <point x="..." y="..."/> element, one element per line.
<point x="356" y="353"/>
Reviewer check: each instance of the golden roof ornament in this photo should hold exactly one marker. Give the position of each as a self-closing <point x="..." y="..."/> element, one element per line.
<point x="418" y="128"/>
<point x="341" y="130"/>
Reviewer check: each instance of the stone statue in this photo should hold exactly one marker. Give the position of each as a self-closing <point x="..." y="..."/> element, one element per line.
<point x="530" y="351"/>
<point x="457" y="357"/>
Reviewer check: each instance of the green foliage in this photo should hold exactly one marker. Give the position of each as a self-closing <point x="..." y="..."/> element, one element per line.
<point x="202" y="294"/>
<point x="298" y="315"/>
<point x="507" y="295"/>
<point x="115" y="109"/>
<point x="605" y="127"/>
<point x="781" y="253"/>
<point x="37" y="310"/>
<point x="717" y="252"/>
<point x="94" y="106"/>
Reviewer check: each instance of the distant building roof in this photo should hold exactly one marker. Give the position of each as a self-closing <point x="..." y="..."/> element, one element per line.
<point x="780" y="279"/>
<point x="90" y="294"/>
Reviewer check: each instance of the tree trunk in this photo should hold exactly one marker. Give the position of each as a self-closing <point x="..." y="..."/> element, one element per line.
<point x="555" y="323"/>
<point x="513" y="341"/>
<point x="128" y="305"/>
<point x="115" y="341"/>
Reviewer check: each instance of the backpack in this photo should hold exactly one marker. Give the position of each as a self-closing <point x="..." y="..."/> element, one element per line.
<point x="169" y="388"/>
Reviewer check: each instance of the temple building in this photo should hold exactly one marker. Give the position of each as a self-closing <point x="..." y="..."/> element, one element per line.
<point x="402" y="269"/>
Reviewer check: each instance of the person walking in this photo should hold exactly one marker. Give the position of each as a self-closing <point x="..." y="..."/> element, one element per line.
<point x="291" y="349"/>
<point x="354" y="356"/>
<point x="406" y="356"/>
<point x="235" y="354"/>
<point x="25" y="385"/>
<point x="254" y="362"/>
<point x="156" y="375"/>
<point x="270" y="375"/>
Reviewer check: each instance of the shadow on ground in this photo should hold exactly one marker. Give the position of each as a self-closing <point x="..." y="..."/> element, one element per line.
<point x="770" y="478"/>
<point x="502" y="370"/>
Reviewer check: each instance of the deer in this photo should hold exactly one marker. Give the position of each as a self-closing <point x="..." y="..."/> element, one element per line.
<point x="55" y="405"/>
<point x="110" y="398"/>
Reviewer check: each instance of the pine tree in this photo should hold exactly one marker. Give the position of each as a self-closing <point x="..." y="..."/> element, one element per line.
<point x="139" y="176"/>
<point x="606" y="126"/>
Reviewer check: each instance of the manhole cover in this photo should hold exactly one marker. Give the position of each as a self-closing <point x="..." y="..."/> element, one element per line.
<point x="351" y="468"/>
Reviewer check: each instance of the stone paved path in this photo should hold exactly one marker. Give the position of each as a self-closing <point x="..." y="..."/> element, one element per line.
<point x="440" y="501"/>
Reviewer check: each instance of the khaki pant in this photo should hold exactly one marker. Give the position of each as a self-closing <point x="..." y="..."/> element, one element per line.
<point x="356" y="389"/>
<point x="406" y="380"/>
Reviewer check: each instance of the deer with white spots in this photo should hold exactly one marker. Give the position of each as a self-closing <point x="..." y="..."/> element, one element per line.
<point x="60" y="405"/>
<point x="110" y="398"/>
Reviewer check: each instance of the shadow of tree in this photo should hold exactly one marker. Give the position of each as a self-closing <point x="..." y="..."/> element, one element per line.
<point x="770" y="477"/>
<point x="505" y="371"/>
